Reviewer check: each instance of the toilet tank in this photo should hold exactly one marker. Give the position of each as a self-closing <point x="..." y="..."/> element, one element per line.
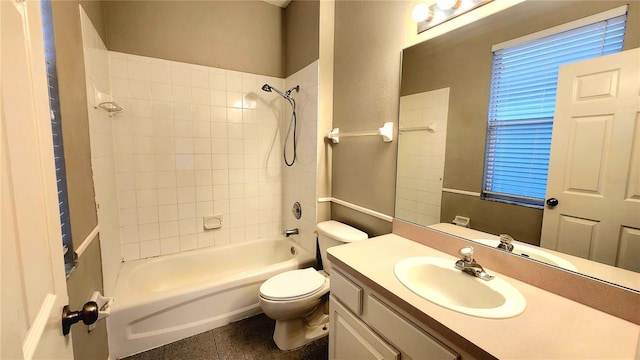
<point x="332" y="233"/>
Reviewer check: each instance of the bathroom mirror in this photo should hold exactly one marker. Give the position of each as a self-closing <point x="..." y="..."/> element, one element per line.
<point x="443" y="122"/>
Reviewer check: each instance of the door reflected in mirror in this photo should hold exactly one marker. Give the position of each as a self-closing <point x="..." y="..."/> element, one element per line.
<point x="432" y="188"/>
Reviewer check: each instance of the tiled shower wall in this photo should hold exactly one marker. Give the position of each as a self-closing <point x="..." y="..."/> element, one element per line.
<point x="194" y="141"/>
<point x="421" y="150"/>
<point x="96" y="60"/>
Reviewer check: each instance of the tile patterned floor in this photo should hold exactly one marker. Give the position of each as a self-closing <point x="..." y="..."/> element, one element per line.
<point x="243" y="340"/>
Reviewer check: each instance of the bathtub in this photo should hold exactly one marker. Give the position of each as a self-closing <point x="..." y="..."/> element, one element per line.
<point x="168" y="298"/>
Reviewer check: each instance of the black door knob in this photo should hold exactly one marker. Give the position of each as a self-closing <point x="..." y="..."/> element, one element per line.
<point x="88" y="315"/>
<point x="552" y="202"/>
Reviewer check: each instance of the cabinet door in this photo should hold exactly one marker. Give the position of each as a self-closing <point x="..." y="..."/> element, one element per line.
<point x="413" y="342"/>
<point x="350" y="338"/>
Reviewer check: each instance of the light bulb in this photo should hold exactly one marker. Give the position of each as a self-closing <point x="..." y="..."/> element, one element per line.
<point x="448" y="4"/>
<point x="421" y="13"/>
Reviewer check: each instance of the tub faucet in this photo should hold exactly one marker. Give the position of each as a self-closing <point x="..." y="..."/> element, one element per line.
<point x="469" y="265"/>
<point x="505" y="242"/>
<point x="290" y="232"/>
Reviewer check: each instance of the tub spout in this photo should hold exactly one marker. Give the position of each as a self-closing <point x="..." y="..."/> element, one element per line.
<point x="290" y="232"/>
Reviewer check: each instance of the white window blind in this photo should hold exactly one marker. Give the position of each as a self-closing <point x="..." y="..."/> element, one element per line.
<point x="522" y="102"/>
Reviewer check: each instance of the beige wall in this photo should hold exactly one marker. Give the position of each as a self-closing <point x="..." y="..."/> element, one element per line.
<point x="369" y="36"/>
<point x="237" y="35"/>
<point x="80" y="286"/>
<point x="73" y="106"/>
<point x="87" y="277"/>
<point x="302" y="27"/>
<point x="443" y="62"/>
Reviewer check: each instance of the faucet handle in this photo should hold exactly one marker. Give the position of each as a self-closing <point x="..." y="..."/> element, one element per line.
<point x="505" y="242"/>
<point x="506" y="239"/>
<point x="466" y="253"/>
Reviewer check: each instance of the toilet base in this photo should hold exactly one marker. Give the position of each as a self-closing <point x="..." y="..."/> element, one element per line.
<point x="292" y="334"/>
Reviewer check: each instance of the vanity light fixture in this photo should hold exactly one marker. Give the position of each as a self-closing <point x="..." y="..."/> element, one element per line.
<point x="443" y="10"/>
<point x="421" y="12"/>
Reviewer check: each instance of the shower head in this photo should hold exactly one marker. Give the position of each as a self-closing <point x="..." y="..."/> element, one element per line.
<point x="287" y="95"/>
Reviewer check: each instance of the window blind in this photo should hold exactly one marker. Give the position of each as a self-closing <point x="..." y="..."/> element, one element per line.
<point x="522" y="102"/>
<point x="56" y="129"/>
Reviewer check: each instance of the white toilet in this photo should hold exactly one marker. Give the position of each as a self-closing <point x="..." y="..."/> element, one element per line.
<point x="298" y="299"/>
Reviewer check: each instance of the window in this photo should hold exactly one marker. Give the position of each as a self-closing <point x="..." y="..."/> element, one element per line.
<point x="522" y="101"/>
<point x="56" y="129"/>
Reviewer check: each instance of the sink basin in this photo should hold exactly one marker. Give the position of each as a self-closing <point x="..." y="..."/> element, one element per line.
<point x="437" y="280"/>
<point x="532" y="252"/>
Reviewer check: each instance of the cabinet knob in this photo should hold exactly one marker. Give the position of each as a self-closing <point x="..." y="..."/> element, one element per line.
<point x="552" y="202"/>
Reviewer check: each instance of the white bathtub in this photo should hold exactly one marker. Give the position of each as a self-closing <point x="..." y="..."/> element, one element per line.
<point x="168" y="298"/>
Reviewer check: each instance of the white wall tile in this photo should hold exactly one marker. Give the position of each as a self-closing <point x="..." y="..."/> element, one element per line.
<point x="147" y="215"/>
<point x="200" y="78"/>
<point x="166" y="179"/>
<point x="138" y="70"/>
<point x="200" y="96"/>
<point x="150" y="248"/>
<point x="219" y="113"/>
<point x="205" y="239"/>
<point x="180" y="74"/>
<point x="168" y="212"/>
<point x="129" y="234"/>
<point x="130" y="251"/>
<point x="188" y="242"/>
<point x="160" y="71"/>
<point x="169" y="245"/>
<point x="149" y="232"/>
<point x="218" y="98"/>
<point x="217" y="80"/>
<point x="187" y="227"/>
<point x="161" y="92"/>
<point x="169" y="229"/>
<point x="181" y="94"/>
<point x="198" y="141"/>
<point x="234" y="81"/>
<point x="184" y="162"/>
<point x="201" y="112"/>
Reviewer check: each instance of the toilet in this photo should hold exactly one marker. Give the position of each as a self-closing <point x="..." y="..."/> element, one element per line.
<point x="298" y="299"/>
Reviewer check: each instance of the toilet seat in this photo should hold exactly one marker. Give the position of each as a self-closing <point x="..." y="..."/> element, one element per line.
<point x="292" y="285"/>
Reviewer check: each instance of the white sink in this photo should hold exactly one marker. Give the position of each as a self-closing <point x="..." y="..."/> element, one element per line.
<point x="532" y="252"/>
<point x="437" y="280"/>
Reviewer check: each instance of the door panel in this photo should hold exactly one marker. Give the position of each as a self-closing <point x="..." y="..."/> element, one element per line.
<point x="629" y="249"/>
<point x="589" y="140"/>
<point x="32" y="259"/>
<point x="578" y="233"/>
<point x="595" y="158"/>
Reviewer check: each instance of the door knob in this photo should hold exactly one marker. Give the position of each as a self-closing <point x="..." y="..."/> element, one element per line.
<point x="552" y="202"/>
<point x="88" y="315"/>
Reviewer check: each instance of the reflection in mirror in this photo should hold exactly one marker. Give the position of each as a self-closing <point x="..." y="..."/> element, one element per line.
<point x="459" y="64"/>
<point x="423" y="131"/>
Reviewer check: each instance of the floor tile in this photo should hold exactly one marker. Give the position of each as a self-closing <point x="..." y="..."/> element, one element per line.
<point x="246" y="339"/>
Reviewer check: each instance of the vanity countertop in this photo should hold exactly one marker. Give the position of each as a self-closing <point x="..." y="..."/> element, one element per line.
<point x="551" y="327"/>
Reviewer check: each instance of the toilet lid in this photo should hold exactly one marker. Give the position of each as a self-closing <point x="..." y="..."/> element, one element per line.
<point x="292" y="284"/>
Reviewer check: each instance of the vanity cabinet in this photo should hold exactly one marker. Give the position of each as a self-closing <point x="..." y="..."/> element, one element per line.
<point x="350" y="338"/>
<point x="365" y="325"/>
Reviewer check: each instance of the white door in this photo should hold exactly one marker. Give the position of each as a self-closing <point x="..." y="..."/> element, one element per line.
<point x="33" y="280"/>
<point x="594" y="168"/>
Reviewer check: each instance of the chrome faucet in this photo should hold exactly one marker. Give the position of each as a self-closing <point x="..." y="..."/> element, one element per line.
<point x="505" y="242"/>
<point x="290" y="232"/>
<point x="469" y="265"/>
